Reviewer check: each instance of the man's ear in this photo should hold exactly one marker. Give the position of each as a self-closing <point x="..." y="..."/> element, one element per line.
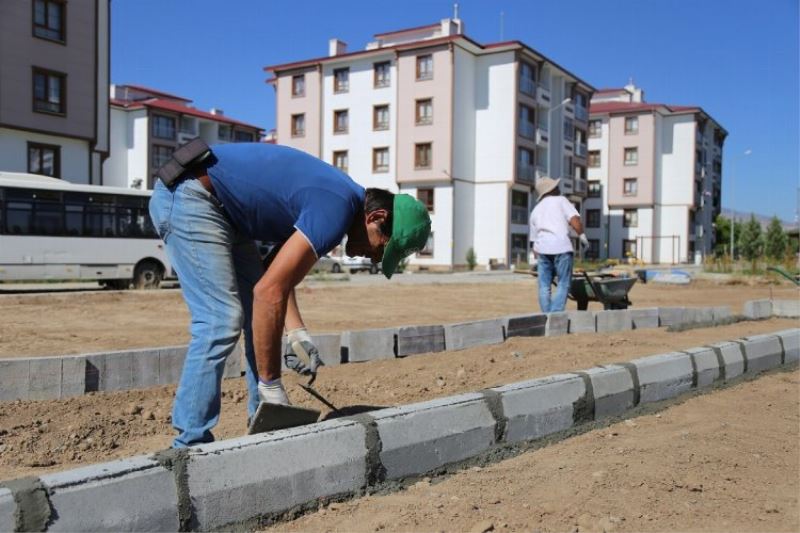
<point x="378" y="215"/>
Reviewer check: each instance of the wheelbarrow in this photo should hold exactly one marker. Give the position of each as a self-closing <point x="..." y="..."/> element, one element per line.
<point x="608" y="289"/>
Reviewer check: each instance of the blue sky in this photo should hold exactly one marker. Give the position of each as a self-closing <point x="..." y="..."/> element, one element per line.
<point x="738" y="59"/>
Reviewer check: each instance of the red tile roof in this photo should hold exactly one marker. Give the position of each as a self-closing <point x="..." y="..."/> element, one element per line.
<point x="155" y="92"/>
<point x="607" y="90"/>
<point x="638" y="107"/>
<point x="407" y="30"/>
<point x="175" y="107"/>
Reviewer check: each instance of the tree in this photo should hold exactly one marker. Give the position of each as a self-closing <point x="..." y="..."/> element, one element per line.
<point x="472" y="260"/>
<point x="776" y="240"/>
<point x="722" y="242"/>
<point x="751" y="241"/>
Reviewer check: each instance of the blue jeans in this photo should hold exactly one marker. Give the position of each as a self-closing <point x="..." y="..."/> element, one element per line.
<point x="549" y="265"/>
<point x="217" y="268"/>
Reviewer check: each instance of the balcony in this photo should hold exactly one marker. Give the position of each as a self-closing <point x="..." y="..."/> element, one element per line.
<point x="543" y="95"/>
<point x="526" y="173"/>
<point x="527" y="129"/>
<point x="542" y="137"/>
<point x="580" y="150"/>
<point x="581" y="187"/>
<point x="527" y="86"/>
<point x="519" y="215"/>
<point x="567" y="185"/>
<point x="541" y="171"/>
<point x="569" y="111"/>
<point x="581" y="113"/>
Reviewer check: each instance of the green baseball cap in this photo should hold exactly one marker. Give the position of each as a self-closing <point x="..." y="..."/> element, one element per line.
<point x="411" y="226"/>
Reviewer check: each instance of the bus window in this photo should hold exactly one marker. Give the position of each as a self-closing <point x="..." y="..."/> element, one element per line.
<point x="100" y="219"/>
<point x="19" y="212"/>
<point x="48" y="213"/>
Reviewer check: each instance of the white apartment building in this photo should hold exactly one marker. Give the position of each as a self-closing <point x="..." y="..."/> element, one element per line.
<point x="655" y="178"/>
<point x="147" y="125"/>
<point x="466" y="128"/>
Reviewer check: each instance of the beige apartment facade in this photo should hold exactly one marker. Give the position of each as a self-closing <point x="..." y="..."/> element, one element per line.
<point x="54" y="75"/>
<point x="432" y="113"/>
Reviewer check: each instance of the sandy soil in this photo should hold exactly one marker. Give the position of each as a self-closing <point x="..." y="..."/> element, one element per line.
<point x="703" y="465"/>
<point x="96" y="321"/>
<point x="44" y="436"/>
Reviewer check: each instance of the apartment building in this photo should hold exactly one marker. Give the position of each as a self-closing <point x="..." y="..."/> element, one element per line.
<point x="465" y="127"/>
<point x="147" y="125"/>
<point x="54" y="68"/>
<point x="655" y="178"/>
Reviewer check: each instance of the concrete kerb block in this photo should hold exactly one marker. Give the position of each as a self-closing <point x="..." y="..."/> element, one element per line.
<point x="73" y="376"/>
<point x="581" y="322"/>
<point x="145" y="369"/>
<point x="703" y="315"/>
<point x="670" y="316"/>
<point x="731" y="359"/>
<point x="44" y="382"/>
<point x="539" y="407"/>
<point x="721" y="313"/>
<point x="791" y="345"/>
<point x="758" y="309"/>
<point x="235" y="480"/>
<point x="478" y="333"/>
<point x="786" y="308"/>
<point x="644" y="318"/>
<point x="763" y="352"/>
<point x="616" y="320"/>
<point x="557" y="324"/>
<point x="526" y="325"/>
<point x="663" y="376"/>
<point x="424" y="436"/>
<point x="706" y="366"/>
<point x="366" y="345"/>
<point x="170" y="364"/>
<point x="612" y="386"/>
<point x="412" y="340"/>
<point x="14" y="376"/>
<point x="7" y="509"/>
<point x="330" y="347"/>
<point x="134" y="494"/>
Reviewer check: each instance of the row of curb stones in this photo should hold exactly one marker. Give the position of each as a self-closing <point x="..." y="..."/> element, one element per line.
<point x="243" y="480"/>
<point x="46" y="378"/>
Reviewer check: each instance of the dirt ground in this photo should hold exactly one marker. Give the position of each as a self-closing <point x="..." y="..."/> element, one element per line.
<point x="55" y="324"/>
<point x="44" y="436"/>
<point x="706" y="464"/>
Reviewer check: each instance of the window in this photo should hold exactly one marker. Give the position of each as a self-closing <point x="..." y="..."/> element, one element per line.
<point x="595" y="190"/>
<point x="380" y="117"/>
<point x="527" y="79"/>
<point x="381" y="74"/>
<point x="527" y="119"/>
<point x="299" y="85"/>
<point x="631" y="156"/>
<point x="630" y="186"/>
<point x="341" y="80"/>
<point x="44" y="159"/>
<point x="569" y="131"/>
<point x="628" y="248"/>
<point x="594" y="158"/>
<point x="630" y="218"/>
<point x="426" y="197"/>
<point x="592" y="218"/>
<point x="159" y="155"/>
<point x="244" y="137"/>
<point x="568" y="169"/>
<point x="594" y="249"/>
<point x="631" y="125"/>
<point x="48" y="20"/>
<point x="422" y="155"/>
<point x="425" y="67"/>
<point x="427" y="251"/>
<point x="595" y="128"/>
<point x="519" y="207"/>
<point x="525" y="159"/>
<point x="299" y="125"/>
<point x="425" y="111"/>
<point x="49" y="92"/>
<point x="380" y="160"/>
<point x="224" y="132"/>
<point x="519" y="248"/>
<point x="188" y="125"/>
<point x="340" y="121"/>
<point x="340" y="160"/>
<point x="163" y="127"/>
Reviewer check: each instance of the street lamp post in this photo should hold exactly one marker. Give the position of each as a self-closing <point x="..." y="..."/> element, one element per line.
<point x="550" y="127"/>
<point x="733" y="212"/>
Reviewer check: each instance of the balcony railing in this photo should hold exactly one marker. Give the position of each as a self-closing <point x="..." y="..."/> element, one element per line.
<point x="519" y="214"/>
<point x="569" y="111"/>
<point x="527" y="129"/>
<point x="541" y="171"/>
<point x="581" y="113"/>
<point x="542" y="136"/>
<point x="581" y="186"/>
<point x="527" y="86"/>
<point x="580" y="149"/>
<point x="543" y="94"/>
<point x="526" y="173"/>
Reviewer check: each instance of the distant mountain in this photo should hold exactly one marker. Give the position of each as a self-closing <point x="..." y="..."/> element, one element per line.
<point x="762" y="219"/>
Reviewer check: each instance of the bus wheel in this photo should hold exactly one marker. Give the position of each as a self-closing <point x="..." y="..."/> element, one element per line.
<point x="116" y="284"/>
<point x="147" y="275"/>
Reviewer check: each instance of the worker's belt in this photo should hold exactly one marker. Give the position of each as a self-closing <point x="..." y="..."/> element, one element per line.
<point x="187" y="159"/>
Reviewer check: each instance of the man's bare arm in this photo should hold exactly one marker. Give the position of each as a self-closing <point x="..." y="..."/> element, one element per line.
<point x="271" y="296"/>
<point x="294" y="319"/>
<point x="576" y="224"/>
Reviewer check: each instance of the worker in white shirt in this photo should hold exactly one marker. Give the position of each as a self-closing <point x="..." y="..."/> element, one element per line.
<point x="550" y="222"/>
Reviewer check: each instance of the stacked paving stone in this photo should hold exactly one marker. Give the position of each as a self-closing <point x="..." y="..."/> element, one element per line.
<point x="45" y="378"/>
<point x="232" y="482"/>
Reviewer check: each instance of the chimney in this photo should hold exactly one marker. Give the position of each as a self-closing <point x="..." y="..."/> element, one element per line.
<point x="217" y="111"/>
<point x="336" y="47"/>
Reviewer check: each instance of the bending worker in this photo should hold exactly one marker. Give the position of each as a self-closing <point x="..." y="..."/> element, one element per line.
<point x="209" y="217"/>
<point x="549" y="225"/>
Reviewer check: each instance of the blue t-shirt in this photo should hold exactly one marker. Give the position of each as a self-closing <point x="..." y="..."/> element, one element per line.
<point x="269" y="190"/>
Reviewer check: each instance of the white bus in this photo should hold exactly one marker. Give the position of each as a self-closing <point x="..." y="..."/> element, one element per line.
<point x="51" y="229"/>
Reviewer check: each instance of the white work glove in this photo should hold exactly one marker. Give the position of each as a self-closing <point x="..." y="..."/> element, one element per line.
<point x="272" y="392"/>
<point x="304" y="358"/>
<point x="584" y="241"/>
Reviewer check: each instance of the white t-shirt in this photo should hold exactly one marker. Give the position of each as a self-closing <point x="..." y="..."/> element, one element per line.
<point x="550" y="225"/>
